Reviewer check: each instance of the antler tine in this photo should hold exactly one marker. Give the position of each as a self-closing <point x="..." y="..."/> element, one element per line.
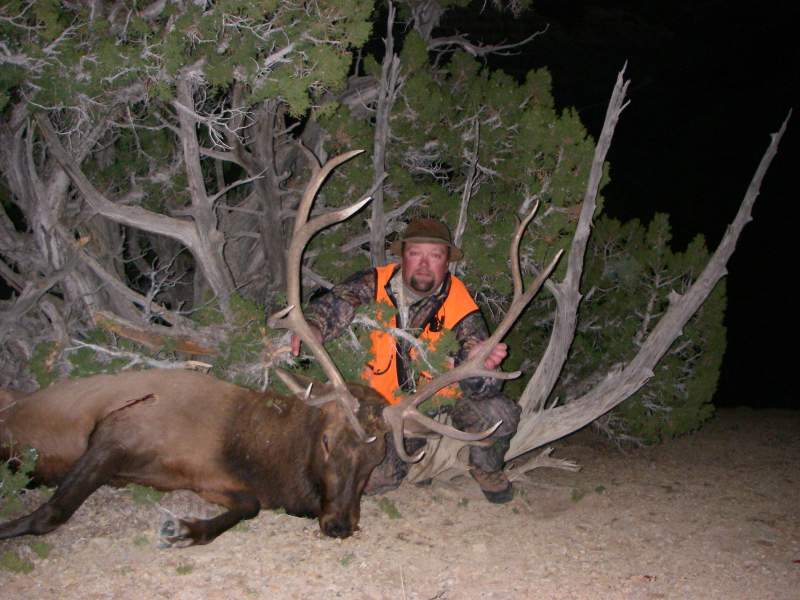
<point x="407" y="408"/>
<point x="395" y="422"/>
<point x="318" y="178"/>
<point x="292" y="317"/>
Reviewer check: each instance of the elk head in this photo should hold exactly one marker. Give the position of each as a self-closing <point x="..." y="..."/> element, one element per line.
<point x="341" y="460"/>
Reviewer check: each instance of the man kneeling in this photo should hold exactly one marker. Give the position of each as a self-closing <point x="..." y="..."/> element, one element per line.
<point x="428" y="300"/>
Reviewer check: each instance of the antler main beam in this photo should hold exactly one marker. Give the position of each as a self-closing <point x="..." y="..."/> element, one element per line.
<point x="292" y="316"/>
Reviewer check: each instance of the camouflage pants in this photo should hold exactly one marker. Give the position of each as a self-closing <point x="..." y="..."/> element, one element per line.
<point x="468" y="414"/>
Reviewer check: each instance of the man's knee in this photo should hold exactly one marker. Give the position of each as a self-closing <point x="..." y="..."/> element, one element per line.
<point x="475" y="414"/>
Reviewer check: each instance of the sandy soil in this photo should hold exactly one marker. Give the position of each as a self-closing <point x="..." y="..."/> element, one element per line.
<point x="714" y="515"/>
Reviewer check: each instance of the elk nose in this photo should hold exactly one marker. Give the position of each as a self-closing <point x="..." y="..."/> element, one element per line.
<point x="336" y="528"/>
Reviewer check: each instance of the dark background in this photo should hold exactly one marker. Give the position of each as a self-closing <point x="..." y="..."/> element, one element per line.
<point x="709" y="83"/>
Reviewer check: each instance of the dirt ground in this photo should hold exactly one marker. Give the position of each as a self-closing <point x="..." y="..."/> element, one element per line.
<point x="714" y="515"/>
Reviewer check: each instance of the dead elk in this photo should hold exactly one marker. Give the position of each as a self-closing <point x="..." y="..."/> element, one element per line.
<point x="173" y="429"/>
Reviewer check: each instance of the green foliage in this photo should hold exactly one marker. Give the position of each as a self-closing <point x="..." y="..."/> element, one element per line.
<point x="436" y="359"/>
<point x="294" y="52"/>
<point x="144" y="495"/>
<point x="40" y="549"/>
<point x="14" y="563"/>
<point x="389" y="508"/>
<point x="15" y="475"/>
<point x="238" y="350"/>
<point x="42" y="363"/>
<point x="244" y="341"/>
<point x="184" y="568"/>
<point x="630" y="272"/>
<point x="521" y="138"/>
<point x="208" y="313"/>
<point x="86" y="361"/>
<point x="352" y="350"/>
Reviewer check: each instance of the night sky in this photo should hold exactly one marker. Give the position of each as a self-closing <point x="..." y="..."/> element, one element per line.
<point x="709" y="83"/>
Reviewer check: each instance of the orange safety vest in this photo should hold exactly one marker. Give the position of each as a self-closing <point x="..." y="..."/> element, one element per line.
<point x="381" y="373"/>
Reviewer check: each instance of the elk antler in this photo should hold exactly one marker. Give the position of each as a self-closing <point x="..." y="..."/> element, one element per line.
<point x="292" y="316"/>
<point x="395" y="415"/>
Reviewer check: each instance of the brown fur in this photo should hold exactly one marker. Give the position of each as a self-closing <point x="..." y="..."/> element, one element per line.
<point x="177" y="429"/>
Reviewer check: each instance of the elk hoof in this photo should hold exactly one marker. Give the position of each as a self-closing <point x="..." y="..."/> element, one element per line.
<point x="175" y="533"/>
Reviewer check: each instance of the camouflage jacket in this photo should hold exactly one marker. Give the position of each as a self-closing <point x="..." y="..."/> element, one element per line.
<point x="333" y="310"/>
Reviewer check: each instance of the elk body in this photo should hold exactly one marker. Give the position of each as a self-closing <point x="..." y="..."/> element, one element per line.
<point x="173" y="429"/>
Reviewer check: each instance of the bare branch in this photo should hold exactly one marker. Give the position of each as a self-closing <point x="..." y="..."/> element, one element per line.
<point x="138" y="359"/>
<point x="477" y="50"/>
<point x="389" y="86"/>
<point x="551" y="424"/>
<point x="157" y="337"/>
<point x="567" y="293"/>
<point x="469" y="185"/>
<point x="127" y="215"/>
<point x="14" y="280"/>
<point x="120" y="288"/>
<point x="233" y="185"/>
<point x="517" y="470"/>
<point x="30" y="295"/>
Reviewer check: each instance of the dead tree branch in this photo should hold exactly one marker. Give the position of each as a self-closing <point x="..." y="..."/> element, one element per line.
<point x="157" y="337"/>
<point x="553" y="423"/>
<point x="567" y="292"/>
<point x="478" y="50"/>
<point x="138" y="359"/>
<point x="204" y="244"/>
<point x="469" y="186"/>
<point x="30" y="295"/>
<point x="389" y="86"/>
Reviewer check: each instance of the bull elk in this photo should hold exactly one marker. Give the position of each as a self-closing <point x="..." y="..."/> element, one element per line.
<point x="242" y="449"/>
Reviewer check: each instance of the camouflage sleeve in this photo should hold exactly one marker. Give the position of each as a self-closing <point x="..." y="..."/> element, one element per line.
<point x="471" y="331"/>
<point x="334" y="310"/>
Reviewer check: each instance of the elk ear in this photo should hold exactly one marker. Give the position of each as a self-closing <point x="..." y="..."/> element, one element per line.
<point x="326" y="447"/>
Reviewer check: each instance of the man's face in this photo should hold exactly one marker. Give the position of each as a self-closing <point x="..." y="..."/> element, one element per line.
<point x="424" y="265"/>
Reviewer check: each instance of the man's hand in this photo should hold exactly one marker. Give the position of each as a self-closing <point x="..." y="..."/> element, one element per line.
<point x="296" y="340"/>
<point x="496" y="356"/>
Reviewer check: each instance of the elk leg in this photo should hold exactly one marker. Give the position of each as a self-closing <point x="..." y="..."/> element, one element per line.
<point x="179" y="533"/>
<point x="96" y="467"/>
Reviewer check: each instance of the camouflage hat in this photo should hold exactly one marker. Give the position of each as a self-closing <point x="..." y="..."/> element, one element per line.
<point x="426" y="230"/>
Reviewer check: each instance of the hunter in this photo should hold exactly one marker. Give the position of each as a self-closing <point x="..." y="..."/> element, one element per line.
<point x="428" y="299"/>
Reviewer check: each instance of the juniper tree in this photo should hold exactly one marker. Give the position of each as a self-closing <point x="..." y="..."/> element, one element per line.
<point x="138" y="146"/>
